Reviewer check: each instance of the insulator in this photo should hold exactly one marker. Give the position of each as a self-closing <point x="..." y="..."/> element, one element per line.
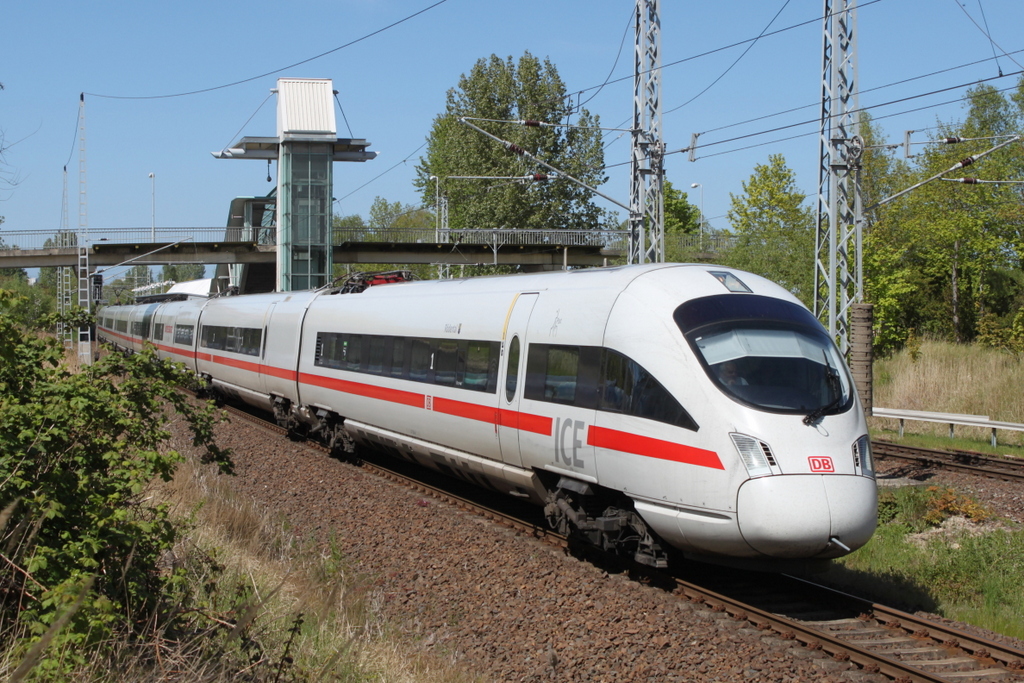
<point x="952" y="141"/>
<point x="967" y="162"/>
<point x="513" y="147"/>
<point x="969" y="181"/>
<point x="540" y="176"/>
<point x="531" y="122"/>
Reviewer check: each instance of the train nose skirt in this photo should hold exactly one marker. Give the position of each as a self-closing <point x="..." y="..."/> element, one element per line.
<point x="812" y="515"/>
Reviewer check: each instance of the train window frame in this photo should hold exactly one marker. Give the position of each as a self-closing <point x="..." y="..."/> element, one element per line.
<point x="591" y="382"/>
<point x="246" y="341"/>
<point x="414" y="359"/>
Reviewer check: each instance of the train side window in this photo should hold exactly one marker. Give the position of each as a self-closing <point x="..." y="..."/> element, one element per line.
<point x="512" y="371"/>
<point x="446" y="362"/>
<point x="626" y="387"/>
<point x="252" y="338"/>
<point x="351" y="352"/>
<point x="478" y="365"/>
<point x="398" y="357"/>
<point x="420" y="357"/>
<point x="183" y="334"/>
<point x="158" y="331"/>
<point x="325" y="355"/>
<point x="376" y="346"/>
<point x="213" y="337"/>
<point x="551" y="373"/>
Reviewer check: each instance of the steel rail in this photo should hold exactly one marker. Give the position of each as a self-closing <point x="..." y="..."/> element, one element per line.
<point x="984" y="651"/>
<point x="973" y="463"/>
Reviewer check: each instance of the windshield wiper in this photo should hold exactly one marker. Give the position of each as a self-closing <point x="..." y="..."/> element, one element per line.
<point x="833" y="383"/>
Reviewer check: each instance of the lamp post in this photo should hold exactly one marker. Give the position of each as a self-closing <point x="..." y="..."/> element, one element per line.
<point x="437" y="208"/>
<point x="701" y="225"/>
<point x="152" y="177"/>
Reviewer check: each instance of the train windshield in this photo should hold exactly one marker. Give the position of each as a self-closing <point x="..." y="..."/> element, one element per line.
<point x="767" y="353"/>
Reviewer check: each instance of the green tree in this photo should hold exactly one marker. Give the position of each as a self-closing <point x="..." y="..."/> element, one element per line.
<point x="774" y="229"/>
<point x="183" y="272"/>
<point x="947" y="255"/>
<point x="507" y="90"/>
<point x="681" y="217"/>
<point x="138" y="276"/>
<point x="351" y="228"/>
<point x="385" y="214"/>
<point x="77" y="452"/>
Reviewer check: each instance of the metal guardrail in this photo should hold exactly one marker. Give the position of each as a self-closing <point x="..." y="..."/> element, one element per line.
<point x="947" y="418"/>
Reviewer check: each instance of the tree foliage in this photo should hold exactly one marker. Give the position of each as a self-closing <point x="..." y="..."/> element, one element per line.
<point x="503" y="90"/>
<point x="681" y="217"/>
<point x="774" y="229"/>
<point x="183" y="272"/>
<point x="946" y="259"/>
<point x="77" y="452"/>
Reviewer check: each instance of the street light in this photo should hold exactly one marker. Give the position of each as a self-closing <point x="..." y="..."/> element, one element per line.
<point x="437" y="208"/>
<point x="152" y="176"/>
<point x="701" y="225"/>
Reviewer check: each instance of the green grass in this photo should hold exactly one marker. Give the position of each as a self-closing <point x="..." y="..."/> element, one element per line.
<point x="920" y="560"/>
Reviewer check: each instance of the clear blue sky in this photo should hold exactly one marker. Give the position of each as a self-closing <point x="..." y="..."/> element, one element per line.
<point x="393" y="84"/>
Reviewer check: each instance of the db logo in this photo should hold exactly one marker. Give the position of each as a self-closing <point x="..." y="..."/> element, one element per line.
<point x="821" y="463"/>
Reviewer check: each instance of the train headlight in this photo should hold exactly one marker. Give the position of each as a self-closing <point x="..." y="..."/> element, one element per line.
<point x="862" y="459"/>
<point x="756" y="455"/>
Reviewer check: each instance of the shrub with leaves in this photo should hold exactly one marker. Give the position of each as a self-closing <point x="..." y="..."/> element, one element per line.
<point x="77" y="452"/>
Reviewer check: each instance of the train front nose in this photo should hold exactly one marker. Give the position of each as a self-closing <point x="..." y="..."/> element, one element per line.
<point x="807" y="515"/>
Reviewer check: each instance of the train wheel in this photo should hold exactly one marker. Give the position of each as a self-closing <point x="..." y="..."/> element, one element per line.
<point x="575" y="510"/>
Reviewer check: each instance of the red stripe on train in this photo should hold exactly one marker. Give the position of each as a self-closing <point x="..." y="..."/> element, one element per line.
<point x="602" y="437"/>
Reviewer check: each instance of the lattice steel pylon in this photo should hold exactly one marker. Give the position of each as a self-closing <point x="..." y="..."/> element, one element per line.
<point x="64" y="280"/>
<point x="82" y="268"/>
<point x="646" y="189"/>
<point x="838" y="274"/>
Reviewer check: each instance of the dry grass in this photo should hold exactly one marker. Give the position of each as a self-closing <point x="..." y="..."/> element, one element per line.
<point x="265" y="605"/>
<point x="278" y="577"/>
<point x="952" y="378"/>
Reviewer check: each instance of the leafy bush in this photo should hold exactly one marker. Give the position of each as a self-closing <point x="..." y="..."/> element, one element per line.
<point x="77" y="452"/>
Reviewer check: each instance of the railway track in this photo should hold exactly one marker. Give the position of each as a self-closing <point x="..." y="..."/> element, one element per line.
<point x="964" y="461"/>
<point x="827" y="623"/>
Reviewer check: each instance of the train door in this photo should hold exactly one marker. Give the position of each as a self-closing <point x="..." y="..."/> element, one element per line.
<point x="512" y="377"/>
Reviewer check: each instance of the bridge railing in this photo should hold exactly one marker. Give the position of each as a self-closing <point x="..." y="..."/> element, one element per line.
<point x="53" y="239"/>
<point x="607" y="239"/>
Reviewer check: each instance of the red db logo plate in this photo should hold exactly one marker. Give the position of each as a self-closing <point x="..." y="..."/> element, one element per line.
<point x="821" y="463"/>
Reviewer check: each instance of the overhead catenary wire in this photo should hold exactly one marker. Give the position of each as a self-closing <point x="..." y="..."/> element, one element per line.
<point x="749" y="47"/>
<point x="274" y="71"/>
<point x="379" y="175"/>
<point x="859" y="109"/>
<point x="988" y="35"/>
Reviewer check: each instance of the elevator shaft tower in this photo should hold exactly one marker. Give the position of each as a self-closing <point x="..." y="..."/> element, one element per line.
<point x="305" y="148"/>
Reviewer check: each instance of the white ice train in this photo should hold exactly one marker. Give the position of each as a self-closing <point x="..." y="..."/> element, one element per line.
<point x="701" y="403"/>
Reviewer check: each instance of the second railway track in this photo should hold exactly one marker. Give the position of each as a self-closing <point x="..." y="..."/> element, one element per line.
<point x="1008" y="469"/>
